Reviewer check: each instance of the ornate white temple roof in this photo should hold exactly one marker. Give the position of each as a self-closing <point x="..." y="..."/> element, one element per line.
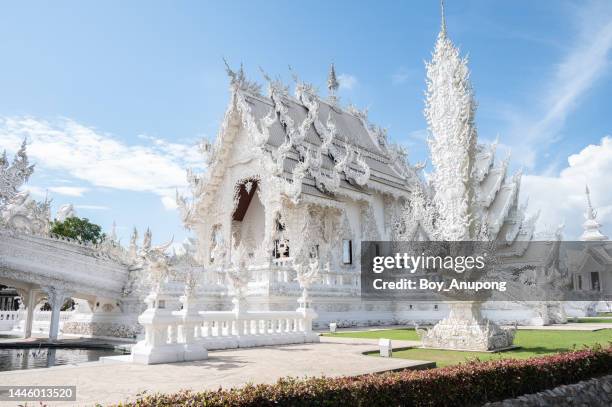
<point x="314" y="146"/>
<point x="351" y="128"/>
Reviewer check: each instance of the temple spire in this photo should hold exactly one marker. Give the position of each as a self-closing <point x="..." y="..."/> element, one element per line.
<point x="113" y="235"/>
<point x="590" y="214"/>
<point x="332" y="84"/>
<point x="591" y="226"/>
<point x="443" y="19"/>
<point x="450" y="110"/>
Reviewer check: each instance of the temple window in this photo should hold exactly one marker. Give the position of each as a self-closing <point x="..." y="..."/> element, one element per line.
<point x="314" y="251"/>
<point x="281" y="249"/>
<point x="595" y="281"/>
<point x="347" y="251"/>
<point x="281" y="245"/>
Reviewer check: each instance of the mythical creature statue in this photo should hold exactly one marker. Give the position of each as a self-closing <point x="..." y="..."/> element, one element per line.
<point x="24" y="214"/>
<point x="156" y="262"/>
<point x="238" y="274"/>
<point x="188" y="270"/>
<point x="13" y="176"/>
<point x="307" y="275"/>
<point x="64" y="212"/>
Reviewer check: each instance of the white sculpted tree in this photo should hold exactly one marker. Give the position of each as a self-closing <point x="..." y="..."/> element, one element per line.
<point x="450" y="211"/>
<point x="450" y="109"/>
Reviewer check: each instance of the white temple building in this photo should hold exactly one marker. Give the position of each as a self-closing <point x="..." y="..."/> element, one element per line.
<point x="293" y="178"/>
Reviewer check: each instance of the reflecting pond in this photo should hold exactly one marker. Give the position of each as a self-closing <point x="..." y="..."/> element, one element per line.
<point x="37" y="357"/>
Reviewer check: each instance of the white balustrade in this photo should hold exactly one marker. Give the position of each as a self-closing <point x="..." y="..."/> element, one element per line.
<point x="8" y="319"/>
<point x="11" y="319"/>
<point x="45" y="316"/>
<point x="283" y="261"/>
<point x="173" y="336"/>
<point x="226" y="329"/>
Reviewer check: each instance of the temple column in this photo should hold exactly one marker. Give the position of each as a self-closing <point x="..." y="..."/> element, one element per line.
<point x="56" y="299"/>
<point x="30" y="301"/>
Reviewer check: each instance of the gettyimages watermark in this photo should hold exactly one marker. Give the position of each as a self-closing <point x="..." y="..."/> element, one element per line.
<point x="483" y="271"/>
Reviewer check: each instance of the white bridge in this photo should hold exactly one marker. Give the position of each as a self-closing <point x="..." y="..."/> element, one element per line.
<point x="56" y="269"/>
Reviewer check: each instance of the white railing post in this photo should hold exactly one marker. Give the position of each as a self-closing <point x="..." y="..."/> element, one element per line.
<point x="158" y="346"/>
<point x="189" y="320"/>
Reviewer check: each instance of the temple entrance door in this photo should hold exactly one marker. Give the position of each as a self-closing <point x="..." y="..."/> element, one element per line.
<point x="248" y="218"/>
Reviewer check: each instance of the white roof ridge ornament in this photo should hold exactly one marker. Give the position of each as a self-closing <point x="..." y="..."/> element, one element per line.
<point x="238" y="80"/>
<point x="591" y="227"/>
<point x="332" y="85"/>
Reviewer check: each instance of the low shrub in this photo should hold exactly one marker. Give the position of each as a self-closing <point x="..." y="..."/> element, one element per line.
<point x="468" y="384"/>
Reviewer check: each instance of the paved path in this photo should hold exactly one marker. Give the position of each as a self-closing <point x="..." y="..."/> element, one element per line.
<point x="113" y="382"/>
<point x="570" y="326"/>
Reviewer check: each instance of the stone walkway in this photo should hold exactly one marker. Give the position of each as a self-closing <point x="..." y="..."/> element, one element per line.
<point x="99" y="382"/>
<point x="570" y="326"/>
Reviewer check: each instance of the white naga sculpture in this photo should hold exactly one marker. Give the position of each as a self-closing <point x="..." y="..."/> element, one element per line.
<point x="307" y="275"/>
<point x="24" y="214"/>
<point x="64" y="212"/>
<point x="18" y="210"/>
<point x="156" y="262"/>
<point x="13" y="176"/>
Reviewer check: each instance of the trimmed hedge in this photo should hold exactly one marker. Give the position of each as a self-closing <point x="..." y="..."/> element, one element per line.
<point x="468" y="384"/>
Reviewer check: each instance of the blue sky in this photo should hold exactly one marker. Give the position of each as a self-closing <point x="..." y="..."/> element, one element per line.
<point x="112" y="96"/>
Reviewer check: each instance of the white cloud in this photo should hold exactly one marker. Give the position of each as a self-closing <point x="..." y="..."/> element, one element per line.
<point x="169" y="202"/>
<point x="347" y="81"/>
<point x="586" y="62"/>
<point x="101" y="159"/>
<point x="400" y="77"/>
<point x="93" y="207"/>
<point x="561" y="198"/>
<point x="36" y="191"/>
<point x="69" y="191"/>
<point x="420" y="135"/>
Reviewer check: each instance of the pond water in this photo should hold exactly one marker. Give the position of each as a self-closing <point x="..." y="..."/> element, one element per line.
<point x="35" y="357"/>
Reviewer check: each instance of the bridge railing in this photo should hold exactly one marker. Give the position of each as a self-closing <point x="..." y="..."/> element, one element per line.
<point x="45" y="316"/>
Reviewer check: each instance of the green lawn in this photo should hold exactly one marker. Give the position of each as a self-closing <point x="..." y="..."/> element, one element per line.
<point x="405" y="334"/>
<point x="531" y="342"/>
<point x="604" y="314"/>
<point x="591" y="320"/>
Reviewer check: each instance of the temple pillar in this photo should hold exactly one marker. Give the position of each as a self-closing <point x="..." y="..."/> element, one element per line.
<point x="30" y="301"/>
<point x="56" y="299"/>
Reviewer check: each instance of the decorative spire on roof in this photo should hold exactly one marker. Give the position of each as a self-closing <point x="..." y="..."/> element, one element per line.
<point x="591" y="226"/>
<point x="238" y="80"/>
<point x="133" y="248"/>
<point x="591" y="214"/>
<point x="146" y="242"/>
<point x="113" y="235"/>
<point x="332" y="84"/>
